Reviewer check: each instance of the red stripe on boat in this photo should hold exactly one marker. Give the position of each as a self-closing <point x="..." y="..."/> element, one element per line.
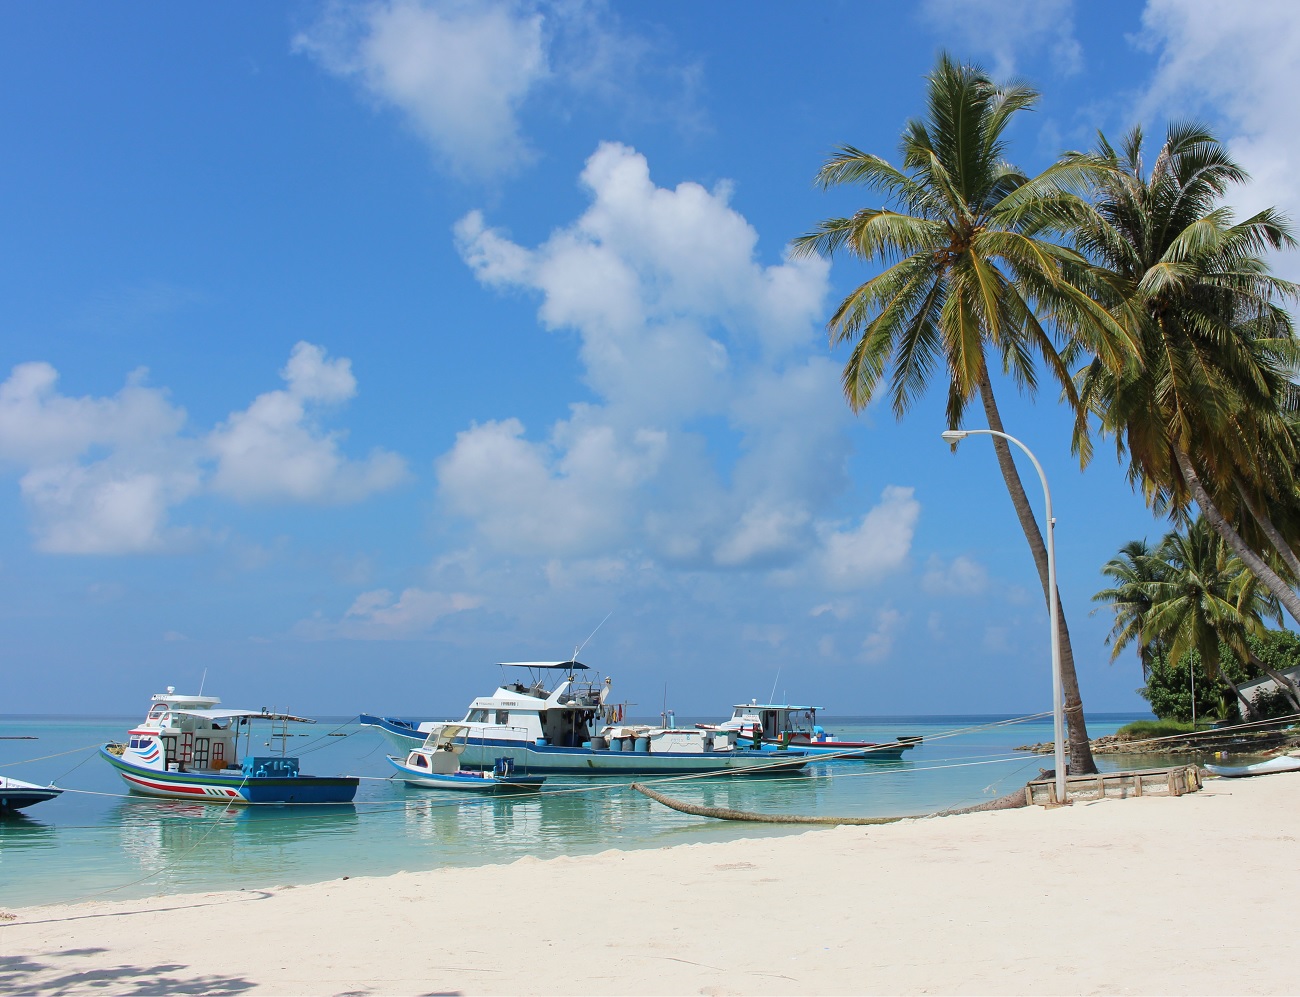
<point x="172" y="786"/>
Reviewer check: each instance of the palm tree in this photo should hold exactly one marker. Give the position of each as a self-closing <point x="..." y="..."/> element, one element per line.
<point x="1205" y="597"/>
<point x="1133" y="571"/>
<point x="971" y="266"/>
<point x="1203" y="408"/>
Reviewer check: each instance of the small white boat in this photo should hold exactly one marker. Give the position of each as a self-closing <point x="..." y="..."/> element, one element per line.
<point x="436" y="765"/>
<point x="16" y="794"/>
<point x="1282" y="763"/>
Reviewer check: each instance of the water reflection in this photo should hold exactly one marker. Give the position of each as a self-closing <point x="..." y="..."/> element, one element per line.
<point x="19" y="832"/>
<point x="186" y="844"/>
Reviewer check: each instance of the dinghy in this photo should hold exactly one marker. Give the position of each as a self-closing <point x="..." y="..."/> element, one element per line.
<point x="1282" y="763"/>
<point x="436" y="765"/>
<point x="16" y="794"/>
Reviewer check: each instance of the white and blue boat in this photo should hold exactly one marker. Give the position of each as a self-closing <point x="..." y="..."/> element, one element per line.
<point x="186" y="749"/>
<point x="436" y="765"/>
<point x="571" y="728"/>
<point x="18" y="795"/>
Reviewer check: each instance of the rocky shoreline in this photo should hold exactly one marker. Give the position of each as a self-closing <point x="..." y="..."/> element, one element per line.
<point x="1206" y="742"/>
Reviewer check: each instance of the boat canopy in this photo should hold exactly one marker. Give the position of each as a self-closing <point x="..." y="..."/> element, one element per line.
<point x="576" y="666"/>
<point x="773" y="706"/>
<point x="233" y="714"/>
<point x="444" y="734"/>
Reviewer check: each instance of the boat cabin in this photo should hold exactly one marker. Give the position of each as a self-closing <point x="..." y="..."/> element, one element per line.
<point x="524" y="710"/>
<point x="193" y="733"/>
<point x="777" y="721"/>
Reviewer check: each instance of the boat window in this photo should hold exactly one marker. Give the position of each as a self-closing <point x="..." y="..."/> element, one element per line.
<point x="503" y="717"/>
<point x="421" y="762"/>
<point x="158" y="710"/>
<point x="476" y="717"/>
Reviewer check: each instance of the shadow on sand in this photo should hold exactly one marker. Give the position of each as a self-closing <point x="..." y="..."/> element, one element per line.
<point x="43" y="974"/>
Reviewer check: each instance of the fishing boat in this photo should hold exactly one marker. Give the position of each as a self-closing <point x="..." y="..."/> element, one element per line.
<point x="18" y="795"/>
<point x="436" y="765"/>
<point x="775" y="726"/>
<point x="1282" y="763"/>
<point x="186" y="749"/>
<point x="556" y="718"/>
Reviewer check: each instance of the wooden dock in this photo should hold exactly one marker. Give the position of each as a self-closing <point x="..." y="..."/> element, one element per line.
<point x="1116" y="785"/>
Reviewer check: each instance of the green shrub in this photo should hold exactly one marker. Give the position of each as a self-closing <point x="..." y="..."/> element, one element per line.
<point x="1141" y="730"/>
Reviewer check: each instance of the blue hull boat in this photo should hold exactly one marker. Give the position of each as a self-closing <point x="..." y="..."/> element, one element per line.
<point x="18" y="795"/>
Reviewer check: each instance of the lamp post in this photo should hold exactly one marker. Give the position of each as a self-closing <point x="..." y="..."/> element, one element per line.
<point x="955" y="436"/>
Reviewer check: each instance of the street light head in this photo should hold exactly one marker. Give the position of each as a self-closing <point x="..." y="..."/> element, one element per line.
<point x="955" y="436"/>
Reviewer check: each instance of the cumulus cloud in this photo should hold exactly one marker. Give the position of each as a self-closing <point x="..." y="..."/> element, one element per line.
<point x="677" y="321"/>
<point x="1022" y="27"/>
<point x="378" y="615"/>
<point x="84" y="504"/>
<point x="273" y="450"/>
<point x="568" y="496"/>
<point x="1237" y="65"/>
<point x="102" y="475"/>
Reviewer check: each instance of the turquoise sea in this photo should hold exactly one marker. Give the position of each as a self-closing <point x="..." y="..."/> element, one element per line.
<point x="98" y="842"/>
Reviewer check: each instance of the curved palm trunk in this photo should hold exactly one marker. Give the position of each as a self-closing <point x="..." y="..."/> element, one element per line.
<point x="1248" y="710"/>
<point x="1286" y="595"/>
<point x="1279" y="543"/>
<point x="1081" y="761"/>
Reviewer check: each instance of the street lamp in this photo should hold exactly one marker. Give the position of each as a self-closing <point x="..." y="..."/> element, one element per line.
<point x="955" y="436"/>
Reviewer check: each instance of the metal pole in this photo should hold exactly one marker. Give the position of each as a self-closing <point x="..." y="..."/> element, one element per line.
<point x="1054" y="609"/>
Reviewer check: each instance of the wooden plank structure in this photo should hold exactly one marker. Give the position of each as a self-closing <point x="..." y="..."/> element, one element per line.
<point x="1116" y="785"/>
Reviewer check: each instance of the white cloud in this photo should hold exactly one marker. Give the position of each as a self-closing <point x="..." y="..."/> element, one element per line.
<point x="677" y="321"/>
<point x="1239" y="64"/>
<point x="377" y="615"/>
<point x="961" y="576"/>
<point x="878" y="546"/>
<point x="272" y="450"/>
<point x="1006" y="30"/>
<point x="111" y="504"/>
<point x="102" y="475"/>
<point x="463" y="74"/>
<point x="39" y="425"/>
<point x="457" y="72"/>
<point x="106" y="507"/>
<point x="568" y="497"/>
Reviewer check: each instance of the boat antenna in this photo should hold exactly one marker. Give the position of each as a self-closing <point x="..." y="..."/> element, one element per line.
<point x="774" y="682"/>
<point x="578" y="650"/>
<point x="202" y="680"/>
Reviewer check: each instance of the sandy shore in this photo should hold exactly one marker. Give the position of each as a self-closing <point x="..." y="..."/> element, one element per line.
<point x="1154" y="895"/>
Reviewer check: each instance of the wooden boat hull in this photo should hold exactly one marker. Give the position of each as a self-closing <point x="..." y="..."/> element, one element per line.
<point x="467" y="782"/>
<point x="18" y="795"/>
<point x="552" y="760"/>
<point x="209" y="787"/>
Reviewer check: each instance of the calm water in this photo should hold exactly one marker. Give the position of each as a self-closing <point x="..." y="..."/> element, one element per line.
<point x="99" y="842"/>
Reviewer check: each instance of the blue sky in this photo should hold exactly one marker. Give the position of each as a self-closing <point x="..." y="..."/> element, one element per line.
<point x="349" y="349"/>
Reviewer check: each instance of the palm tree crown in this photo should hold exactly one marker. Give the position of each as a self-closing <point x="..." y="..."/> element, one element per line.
<point x="969" y="247"/>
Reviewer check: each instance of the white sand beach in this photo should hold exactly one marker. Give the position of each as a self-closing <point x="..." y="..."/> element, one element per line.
<point x="1154" y="895"/>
